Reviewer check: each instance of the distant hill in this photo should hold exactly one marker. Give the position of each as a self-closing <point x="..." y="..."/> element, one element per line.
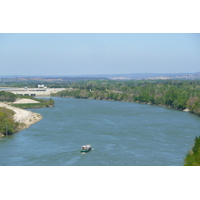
<point x="155" y="76"/>
<point x="132" y="76"/>
<point x="139" y="76"/>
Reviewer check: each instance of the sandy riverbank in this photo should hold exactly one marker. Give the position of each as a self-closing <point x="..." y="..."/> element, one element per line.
<point x="22" y="101"/>
<point x="24" y="117"/>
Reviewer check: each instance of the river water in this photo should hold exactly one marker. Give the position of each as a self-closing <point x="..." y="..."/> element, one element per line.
<point x="121" y="134"/>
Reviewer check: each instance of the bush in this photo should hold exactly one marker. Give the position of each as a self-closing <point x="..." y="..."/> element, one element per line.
<point x="7" y="96"/>
<point x="7" y="122"/>
<point x="193" y="156"/>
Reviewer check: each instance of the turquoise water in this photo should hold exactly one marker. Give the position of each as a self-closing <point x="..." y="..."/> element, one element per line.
<point x="121" y="133"/>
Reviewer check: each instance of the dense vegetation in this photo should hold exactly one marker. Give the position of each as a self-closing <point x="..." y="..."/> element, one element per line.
<point x="193" y="156"/>
<point x="176" y="94"/>
<point x="7" y="96"/>
<point x="7" y="124"/>
<point x="34" y="84"/>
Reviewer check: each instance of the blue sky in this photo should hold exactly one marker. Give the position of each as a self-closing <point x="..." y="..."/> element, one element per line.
<point x="98" y="53"/>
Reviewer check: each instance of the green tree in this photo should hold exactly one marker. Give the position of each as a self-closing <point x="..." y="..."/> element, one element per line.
<point x="193" y="156"/>
<point x="6" y="124"/>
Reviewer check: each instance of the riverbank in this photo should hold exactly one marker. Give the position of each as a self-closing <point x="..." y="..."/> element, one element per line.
<point x="24" y="118"/>
<point x="131" y="101"/>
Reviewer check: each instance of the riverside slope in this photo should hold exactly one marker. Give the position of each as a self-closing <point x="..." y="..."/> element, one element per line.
<point x="25" y="118"/>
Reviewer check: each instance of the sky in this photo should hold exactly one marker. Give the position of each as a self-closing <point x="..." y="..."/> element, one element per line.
<point x="98" y="53"/>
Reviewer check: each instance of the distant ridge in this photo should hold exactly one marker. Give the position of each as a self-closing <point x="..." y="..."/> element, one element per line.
<point x="135" y="76"/>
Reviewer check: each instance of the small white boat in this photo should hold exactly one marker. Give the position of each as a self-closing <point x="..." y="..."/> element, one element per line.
<point x="86" y="148"/>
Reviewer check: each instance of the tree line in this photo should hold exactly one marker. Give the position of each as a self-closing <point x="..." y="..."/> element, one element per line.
<point x="176" y="94"/>
<point x="7" y="96"/>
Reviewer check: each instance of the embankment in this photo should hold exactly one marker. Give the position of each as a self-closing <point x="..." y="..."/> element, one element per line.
<point x="25" y="118"/>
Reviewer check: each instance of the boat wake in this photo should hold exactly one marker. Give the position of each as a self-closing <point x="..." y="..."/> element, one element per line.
<point x="72" y="160"/>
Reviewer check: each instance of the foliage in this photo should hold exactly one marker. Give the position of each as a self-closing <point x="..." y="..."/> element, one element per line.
<point x="178" y="94"/>
<point x="6" y="121"/>
<point x="9" y="113"/>
<point x="193" y="156"/>
<point x="7" y="96"/>
<point x="194" y="105"/>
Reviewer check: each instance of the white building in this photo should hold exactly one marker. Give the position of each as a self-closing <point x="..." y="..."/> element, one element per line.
<point x="41" y="86"/>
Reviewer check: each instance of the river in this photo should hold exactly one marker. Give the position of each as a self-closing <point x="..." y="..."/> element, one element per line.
<point x="121" y="134"/>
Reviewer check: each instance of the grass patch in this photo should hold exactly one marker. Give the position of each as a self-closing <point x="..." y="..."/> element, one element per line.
<point x="9" y="113"/>
<point x="29" y="105"/>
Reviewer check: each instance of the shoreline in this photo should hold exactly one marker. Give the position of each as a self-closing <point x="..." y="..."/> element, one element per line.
<point x="147" y="103"/>
<point x="25" y="118"/>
